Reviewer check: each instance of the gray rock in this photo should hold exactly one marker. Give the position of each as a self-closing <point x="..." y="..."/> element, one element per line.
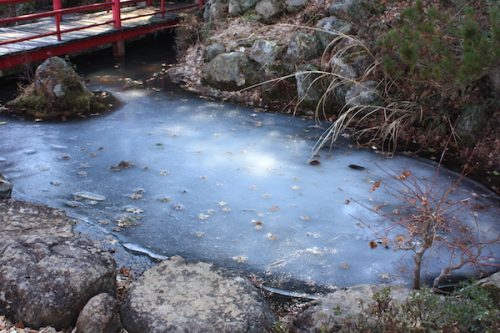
<point x="88" y="196"/>
<point x="472" y="121"/>
<point x="339" y="67"/>
<point x="492" y="285"/>
<point x="47" y="273"/>
<point x="342" y="84"/>
<point x="352" y="10"/>
<point x="179" y="297"/>
<point x="362" y="94"/>
<point x="100" y="315"/>
<point x="293" y="6"/>
<point x="268" y="9"/>
<point x="303" y="47"/>
<point x="309" y="86"/>
<point x="330" y="28"/>
<point x="327" y="313"/>
<point x="215" y="10"/>
<point x="361" y="64"/>
<point x="213" y="50"/>
<point x="494" y="76"/>
<point x="238" y="7"/>
<point x="265" y="52"/>
<point x="5" y="188"/>
<point x="231" y="71"/>
<point x="57" y="90"/>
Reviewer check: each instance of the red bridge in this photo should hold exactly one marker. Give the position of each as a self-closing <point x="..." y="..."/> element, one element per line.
<point x="34" y="37"/>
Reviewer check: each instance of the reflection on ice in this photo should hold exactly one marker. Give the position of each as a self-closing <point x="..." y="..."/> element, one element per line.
<point x="224" y="184"/>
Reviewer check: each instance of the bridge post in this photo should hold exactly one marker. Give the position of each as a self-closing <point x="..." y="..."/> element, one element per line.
<point x="119" y="45"/>
<point x="56" y="5"/>
<point x="117" y="20"/>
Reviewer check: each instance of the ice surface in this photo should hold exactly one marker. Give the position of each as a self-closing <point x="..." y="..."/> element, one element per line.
<point x="220" y="183"/>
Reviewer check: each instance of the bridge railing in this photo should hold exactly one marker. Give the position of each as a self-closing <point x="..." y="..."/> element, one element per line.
<point x="58" y="12"/>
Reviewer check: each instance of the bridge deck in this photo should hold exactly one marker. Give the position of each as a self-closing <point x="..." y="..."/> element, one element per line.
<point x="43" y="47"/>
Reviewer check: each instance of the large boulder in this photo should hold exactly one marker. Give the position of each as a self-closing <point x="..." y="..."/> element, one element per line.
<point x="57" y="90"/>
<point x="265" y="52"/>
<point x="331" y="27"/>
<point x="303" y="47"/>
<point x="238" y="7"/>
<point x="328" y="313"/>
<point x="47" y="273"/>
<point x="268" y="9"/>
<point x="100" y="315"/>
<point x="231" y="71"/>
<point x="176" y="296"/>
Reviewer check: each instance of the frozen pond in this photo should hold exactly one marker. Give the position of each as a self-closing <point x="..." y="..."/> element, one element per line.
<point x="220" y="183"/>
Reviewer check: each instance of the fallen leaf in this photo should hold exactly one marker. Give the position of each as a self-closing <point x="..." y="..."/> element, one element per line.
<point x="376" y="185"/>
<point x="373" y="244"/>
<point x="404" y="175"/>
<point x="240" y="259"/>
<point x="274" y="208"/>
<point x="271" y="237"/>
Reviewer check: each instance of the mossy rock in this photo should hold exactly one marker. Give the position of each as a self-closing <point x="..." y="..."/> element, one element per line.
<point x="57" y="91"/>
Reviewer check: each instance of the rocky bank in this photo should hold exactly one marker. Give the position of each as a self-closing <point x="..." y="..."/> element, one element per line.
<point x="325" y="59"/>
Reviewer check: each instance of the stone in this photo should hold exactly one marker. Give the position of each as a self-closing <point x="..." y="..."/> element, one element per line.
<point x="238" y="7"/>
<point x="47" y="273"/>
<point x="492" y="285"/>
<point x="329" y="29"/>
<point x="100" y="315"/>
<point x="213" y="50"/>
<point x="494" y="76"/>
<point x="303" y="47"/>
<point x="293" y="6"/>
<point x="215" y="10"/>
<point x="5" y="188"/>
<point x="339" y="67"/>
<point x="350" y="10"/>
<point x="472" y="122"/>
<point x="309" y="86"/>
<point x="343" y="83"/>
<point x="231" y="71"/>
<point x="327" y="313"/>
<point x="265" y="52"/>
<point x="362" y="94"/>
<point x="268" y="9"/>
<point x="176" y="296"/>
<point x="88" y="196"/>
<point x="57" y="90"/>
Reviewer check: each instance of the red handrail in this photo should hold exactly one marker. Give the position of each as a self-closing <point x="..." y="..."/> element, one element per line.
<point x="58" y="12"/>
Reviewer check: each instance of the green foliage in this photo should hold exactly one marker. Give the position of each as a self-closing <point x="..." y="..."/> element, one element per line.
<point x="443" y="47"/>
<point x="468" y="309"/>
